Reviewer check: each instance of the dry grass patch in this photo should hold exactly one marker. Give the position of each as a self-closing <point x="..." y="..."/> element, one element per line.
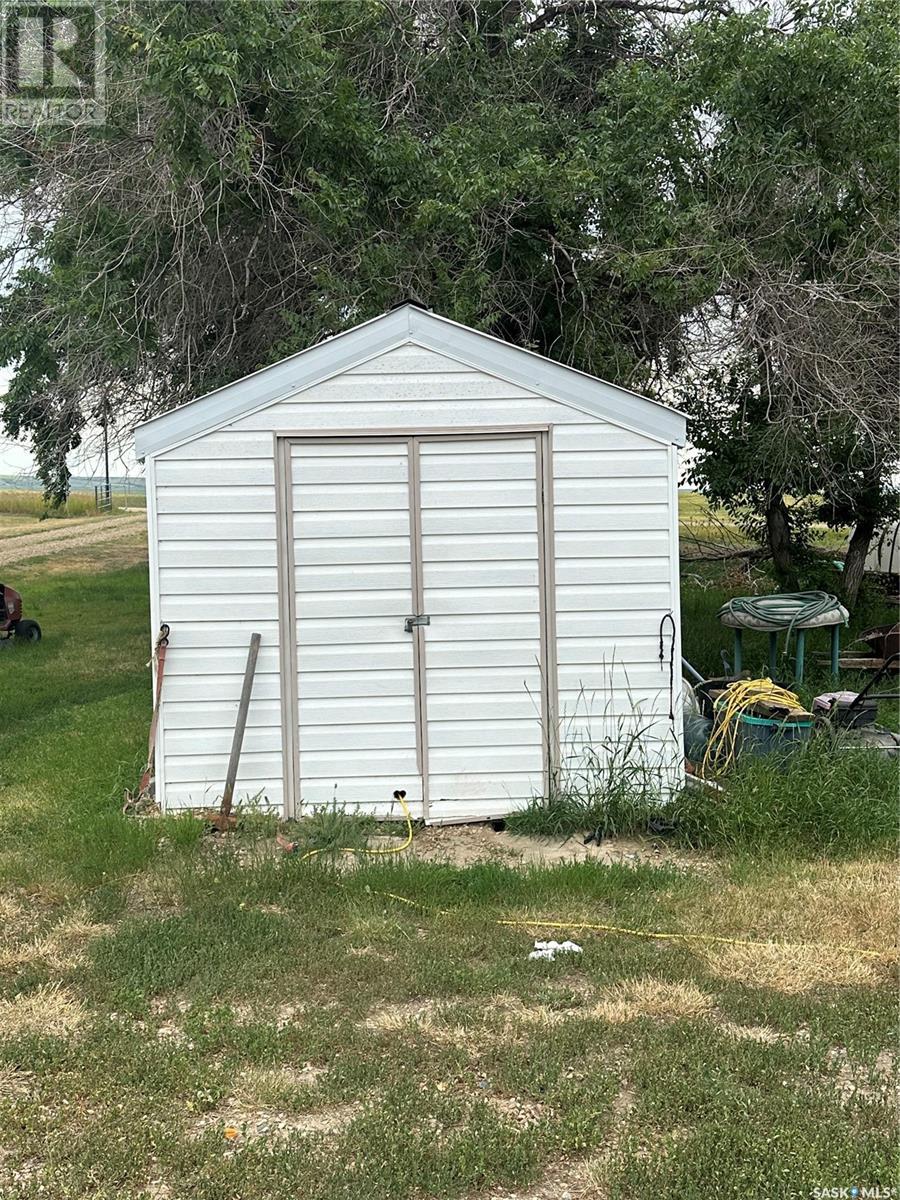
<point x="573" y="1180"/>
<point x="853" y="1079"/>
<point x="848" y="904"/>
<point x="792" y="969"/>
<point x="587" y="1178"/>
<point x="806" y="924"/>
<point x="158" y="1189"/>
<point x="516" y="1111"/>
<point x="656" y="998"/>
<point x="114" y="553"/>
<point x="172" y="1032"/>
<point x="60" y="948"/>
<point x="515" y="1014"/>
<point x="384" y="956"/>
<point x="170" y="1002"/>
<point x="50" y="1009"/>
<point x="764" y="1034"/>
<point x="428" y="1017"/>
<point x="282" y="1016"/>
<point x="501" y="1016"/>
<point x="10" y="909"/>
<point x="152" y="892"/>
<point x="20" y="1179"/>
<point x="14" y="1084"/>
<point x="237" y="1124"/>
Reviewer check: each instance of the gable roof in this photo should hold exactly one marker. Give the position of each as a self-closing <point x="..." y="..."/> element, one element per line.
<point x="402" y="325"/>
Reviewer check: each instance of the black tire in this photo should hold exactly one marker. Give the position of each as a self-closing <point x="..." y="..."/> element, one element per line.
<point x="28" y="631"/>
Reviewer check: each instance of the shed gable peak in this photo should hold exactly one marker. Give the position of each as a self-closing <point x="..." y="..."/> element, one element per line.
<point x="402" y="332"/>
<point x="411" y="356"/>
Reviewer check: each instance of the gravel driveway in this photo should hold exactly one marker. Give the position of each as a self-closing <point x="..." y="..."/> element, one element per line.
<point x="46" y="541"/>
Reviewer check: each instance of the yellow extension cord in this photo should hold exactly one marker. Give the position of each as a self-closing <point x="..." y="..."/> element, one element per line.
<point x="532" y="923"/>
<point x="722" y="745"/>
<point x="539" y="923"/>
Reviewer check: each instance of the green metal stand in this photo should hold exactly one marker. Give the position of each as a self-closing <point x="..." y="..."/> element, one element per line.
<point x="799" y="655"/>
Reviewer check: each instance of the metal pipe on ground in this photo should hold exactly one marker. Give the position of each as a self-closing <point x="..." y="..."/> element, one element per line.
<point x="238" y="740"/>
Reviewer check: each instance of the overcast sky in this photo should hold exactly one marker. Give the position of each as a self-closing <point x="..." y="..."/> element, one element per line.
<point x="16" y="457"/>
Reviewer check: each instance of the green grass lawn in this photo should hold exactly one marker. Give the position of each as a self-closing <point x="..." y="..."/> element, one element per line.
<point x="186" y="1018"/>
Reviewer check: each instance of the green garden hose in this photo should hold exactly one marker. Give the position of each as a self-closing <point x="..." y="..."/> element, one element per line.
<point x="787" y="610"/>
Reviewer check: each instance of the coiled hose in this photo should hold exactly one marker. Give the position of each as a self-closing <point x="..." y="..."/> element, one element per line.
<point x="786" y="611"/>
<point x="737" y="698"/>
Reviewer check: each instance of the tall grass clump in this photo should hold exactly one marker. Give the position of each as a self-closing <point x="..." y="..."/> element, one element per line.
<point x="821" y="799"/>
<point x="331" y="828"/>
<point x="608" y="785"/>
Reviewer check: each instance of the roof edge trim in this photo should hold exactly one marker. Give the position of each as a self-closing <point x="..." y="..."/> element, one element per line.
<point x="538" y="374"/>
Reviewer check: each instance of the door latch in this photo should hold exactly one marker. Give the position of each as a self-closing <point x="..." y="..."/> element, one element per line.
<point x="411" y="622"/>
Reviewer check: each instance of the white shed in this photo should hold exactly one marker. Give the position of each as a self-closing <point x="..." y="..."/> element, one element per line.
<point x="460" y="556"/>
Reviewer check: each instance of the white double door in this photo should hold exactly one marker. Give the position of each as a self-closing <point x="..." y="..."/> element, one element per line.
<point x="418" y="606"/>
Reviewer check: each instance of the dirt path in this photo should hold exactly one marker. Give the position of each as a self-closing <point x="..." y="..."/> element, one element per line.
<point x="463" y="845"/>
<point x="99" y="531"/>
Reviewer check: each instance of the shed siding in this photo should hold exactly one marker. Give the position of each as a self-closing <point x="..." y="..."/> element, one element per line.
<point x="356" y="710"/>
<point x="216" y="576"/>
<point x="483" y="648"/>
<point x="615" y="565"/>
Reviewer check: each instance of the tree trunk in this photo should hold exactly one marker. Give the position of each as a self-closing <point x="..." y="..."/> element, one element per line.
<point x="778" y="535"/>
<point x="854" y="563"/>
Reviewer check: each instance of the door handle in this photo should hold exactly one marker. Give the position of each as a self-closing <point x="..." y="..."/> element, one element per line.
<point x="411" y="622"/>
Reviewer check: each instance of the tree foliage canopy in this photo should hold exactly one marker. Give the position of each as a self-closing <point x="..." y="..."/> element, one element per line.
<point x="644" y="189"/>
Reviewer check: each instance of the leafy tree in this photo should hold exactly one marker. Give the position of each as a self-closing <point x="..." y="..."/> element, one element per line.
<point x="803" y="178"/>
<point x="740" y="463"/>
<point x="774" y="489"/>
<point x="271" y="173"/>
<point x="640" y="187"/>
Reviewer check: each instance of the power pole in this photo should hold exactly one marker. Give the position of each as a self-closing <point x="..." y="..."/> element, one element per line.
<point x="108" y="492"/>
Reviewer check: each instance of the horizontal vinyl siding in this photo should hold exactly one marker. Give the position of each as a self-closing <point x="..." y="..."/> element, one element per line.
<point x="218" y="610"/>
<point x="360" y="416"/>
<point x="410" y="360"/>
<point x="227" y="444"/>
<point x="207" y="688"/>
<point x="407" y="388"/>
<point x="200" y="472"/>
<point x="614" y="568"/>
<point x="216" y="583"/>
<point x="483" y="697"/>
<point x="218" y="501"/>
<point x="353" y="577"/>
<point x="223" y="529"/>
<point x="211" y="554"/>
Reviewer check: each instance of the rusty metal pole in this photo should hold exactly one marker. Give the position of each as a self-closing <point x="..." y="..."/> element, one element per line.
<point x="241" y="725"/>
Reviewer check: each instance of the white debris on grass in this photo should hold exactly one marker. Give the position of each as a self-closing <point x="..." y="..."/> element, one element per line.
<point x="549" y="950"/>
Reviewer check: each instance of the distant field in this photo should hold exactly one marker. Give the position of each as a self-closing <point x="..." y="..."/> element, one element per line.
<point x="26" y="502"/>
<point x="701" y="524"/>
